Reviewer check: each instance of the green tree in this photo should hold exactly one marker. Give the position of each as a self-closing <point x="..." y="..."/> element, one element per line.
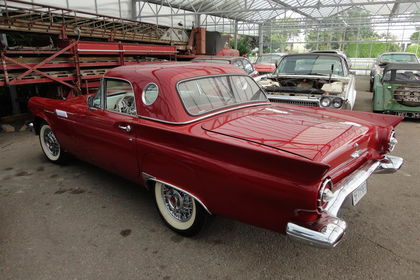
<point x="370" y="49"/>
<point x="275" y="39"/>
<point x="337" y="30"/>
<point x="244" y="45"/>
<point x="414" y="48"/>
<point x="415" y="37"/>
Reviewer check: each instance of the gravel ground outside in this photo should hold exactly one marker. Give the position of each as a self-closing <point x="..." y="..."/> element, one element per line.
<point x="80" y="222"/>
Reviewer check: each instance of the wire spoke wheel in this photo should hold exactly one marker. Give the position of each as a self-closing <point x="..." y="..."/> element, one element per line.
<point x="179" y="210"/>
<point x="178" y="204"/>
<point x="49" y="144"/>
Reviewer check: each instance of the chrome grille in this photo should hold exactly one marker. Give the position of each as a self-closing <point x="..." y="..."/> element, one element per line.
<point x="295" y="102"/>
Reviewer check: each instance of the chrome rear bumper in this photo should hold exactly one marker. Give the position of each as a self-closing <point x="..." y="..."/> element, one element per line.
<point x="329" y="229"/>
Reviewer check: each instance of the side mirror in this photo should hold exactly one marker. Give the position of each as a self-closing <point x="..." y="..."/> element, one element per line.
<point x="382" y="64"/>
<point x="90" y="102"/>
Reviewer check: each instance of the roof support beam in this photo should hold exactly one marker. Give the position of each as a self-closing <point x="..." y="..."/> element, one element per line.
<point x="228" y="13"/>
<point x="296" y="10"/>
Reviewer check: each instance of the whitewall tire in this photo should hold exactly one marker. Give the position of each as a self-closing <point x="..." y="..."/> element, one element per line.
<point x="49" y="144"/>
<point x="180" y="211"/>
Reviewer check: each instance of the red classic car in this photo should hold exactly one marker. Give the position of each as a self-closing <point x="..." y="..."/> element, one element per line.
<point x="238" y="61"/>
<point x="267" y="63"/>
<point x="205" y="140"/>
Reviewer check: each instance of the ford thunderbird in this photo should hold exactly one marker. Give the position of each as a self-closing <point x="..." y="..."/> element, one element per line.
<point x="205" y="140"/>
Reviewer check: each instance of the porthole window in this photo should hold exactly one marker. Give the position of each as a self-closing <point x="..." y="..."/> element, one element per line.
<point x="150" y="94"/>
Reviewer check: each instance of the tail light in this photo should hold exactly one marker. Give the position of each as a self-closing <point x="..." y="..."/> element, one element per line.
<point x="392" y="142"/>
<point x="325" y="194"/>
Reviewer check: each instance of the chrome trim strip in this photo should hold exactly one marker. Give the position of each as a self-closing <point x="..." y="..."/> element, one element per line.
<point x="335" y="77"/>
<point x="205" y="116"/>
<point x="48" y="111"/>
<point x="329" y="235"/>
<point x="294" y="98"/>
<point x="147" y="177"/>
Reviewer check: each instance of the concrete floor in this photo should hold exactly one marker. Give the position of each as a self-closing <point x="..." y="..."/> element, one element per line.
<point x="79" y="222"/>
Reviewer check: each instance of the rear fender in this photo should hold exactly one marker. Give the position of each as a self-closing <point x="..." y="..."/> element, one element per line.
<point x="172" y="172"/>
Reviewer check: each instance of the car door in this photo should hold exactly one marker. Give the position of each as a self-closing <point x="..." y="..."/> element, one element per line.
<point x="107" y="130"/>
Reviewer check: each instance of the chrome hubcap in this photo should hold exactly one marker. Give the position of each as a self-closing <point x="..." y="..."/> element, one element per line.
<point x="51" y="142"/>
<point x="178" y="204"/>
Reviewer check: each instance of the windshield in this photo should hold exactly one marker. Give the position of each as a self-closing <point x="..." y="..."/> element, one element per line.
<point x="206" y="94"/>
<point x="274" y="59"/>
<point x="310" y="65"/>
<point x="213" y="60"/>
<point x="407" y="76"/>
<point x="400" y="57"/>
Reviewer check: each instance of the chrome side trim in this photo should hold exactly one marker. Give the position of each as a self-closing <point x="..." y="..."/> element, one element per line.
<point x="148" y="177"/>
<point x="203" y="117"/>
<point x="330" y="234"/>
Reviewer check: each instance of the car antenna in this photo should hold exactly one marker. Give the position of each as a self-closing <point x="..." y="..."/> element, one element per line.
<point x="332" y="70"/>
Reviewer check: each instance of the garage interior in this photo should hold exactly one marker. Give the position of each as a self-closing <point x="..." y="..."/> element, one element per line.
<point x="80" y="222"/>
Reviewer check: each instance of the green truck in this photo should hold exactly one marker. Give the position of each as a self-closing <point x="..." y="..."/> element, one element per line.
<point x="397" y="91"/>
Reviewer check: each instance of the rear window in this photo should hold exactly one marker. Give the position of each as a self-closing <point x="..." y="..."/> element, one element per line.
<point x="311" y="65"/>
<point x="407" y="76"/>
<point x="206" y="94"/>
<point x="401" y="57"/>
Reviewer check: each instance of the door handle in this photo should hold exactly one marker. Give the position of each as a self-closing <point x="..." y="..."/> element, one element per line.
<point x="126" y="128"/>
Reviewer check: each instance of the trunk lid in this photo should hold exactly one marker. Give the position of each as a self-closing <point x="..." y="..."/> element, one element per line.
<point x="314" y="134"/>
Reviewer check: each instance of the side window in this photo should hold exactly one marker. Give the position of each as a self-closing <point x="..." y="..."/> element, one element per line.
<point x="247" y="66"/>
<point x="119" y="96"/>
<point x="238" y="63"/>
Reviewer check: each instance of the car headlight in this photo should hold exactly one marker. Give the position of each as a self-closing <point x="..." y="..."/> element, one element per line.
<point x="337" y="102"/>
<point x="325" y="101"/>
<point x="392" y="142"/>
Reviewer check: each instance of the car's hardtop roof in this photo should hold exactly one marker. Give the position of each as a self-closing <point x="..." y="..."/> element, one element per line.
<point x="402" y="66"/>
<point x="315" y="54"/>
<point x="385" y="53"/>
<point x="280" y="54"/>
<point x="217" y="57"/>
<point x="327" y="51"/>
<point x="163" y="71"/>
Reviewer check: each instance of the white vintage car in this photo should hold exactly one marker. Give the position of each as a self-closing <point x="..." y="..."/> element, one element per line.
<point x="313" y="79"/>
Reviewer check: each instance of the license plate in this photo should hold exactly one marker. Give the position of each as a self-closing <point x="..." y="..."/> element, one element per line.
<point x="359" y="193"/>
